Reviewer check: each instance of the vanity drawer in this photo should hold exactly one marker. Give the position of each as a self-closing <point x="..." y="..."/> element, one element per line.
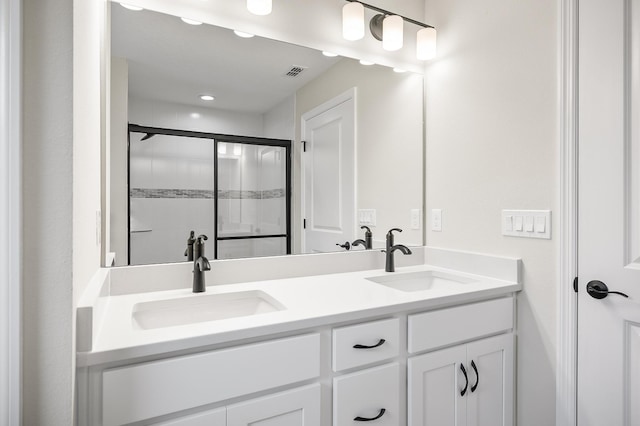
<point x="365" y="394"/>
<point x="369" y="339"/>
<point x="444" y="327"/>
<point x="157" y="388"/>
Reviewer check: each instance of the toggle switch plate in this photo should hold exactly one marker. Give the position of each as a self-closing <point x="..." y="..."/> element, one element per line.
<point x="527" y="223"/>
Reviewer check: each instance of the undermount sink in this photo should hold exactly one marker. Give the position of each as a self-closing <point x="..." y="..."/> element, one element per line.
<point x="420" y="281"/>
<point x="201" y="308"/>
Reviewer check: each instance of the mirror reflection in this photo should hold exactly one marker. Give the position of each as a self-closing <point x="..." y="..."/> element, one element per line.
<point x="266" y="147"/>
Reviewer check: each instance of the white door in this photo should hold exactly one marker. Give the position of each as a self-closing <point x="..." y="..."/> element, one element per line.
<point x="609" y="212"/>
<point x="329" y="176"/>
<point x="435" y="384"/>
<point x="491" y="381"/>
<point x="297" y="407"/>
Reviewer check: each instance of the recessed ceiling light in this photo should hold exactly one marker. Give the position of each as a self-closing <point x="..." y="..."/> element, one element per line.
<point x="399" y="70"/>
<point x="191" y="21"/>
<point x="363" y="62"/>
<point x="195" y="115"/>
<point x="131" y="7"/>
<point x="329" y="54"/>
<point x="242" y="34"/>
<point x="207" y="97"/>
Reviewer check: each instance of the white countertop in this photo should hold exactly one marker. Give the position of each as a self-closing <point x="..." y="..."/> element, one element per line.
<point x="309" y="301"/>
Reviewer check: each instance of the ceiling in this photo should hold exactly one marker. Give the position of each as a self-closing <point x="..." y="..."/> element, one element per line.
<point x="172" y="61"/>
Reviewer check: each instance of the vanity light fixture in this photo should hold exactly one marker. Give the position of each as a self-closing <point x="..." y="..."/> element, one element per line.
<point x="207" y="97"/>
<point x="392" y="33"/>
<point x="191" y="21"/>
<point x="387" y="27"/>
<point x="259" y="7"/>
<point x="353" y="21"/>
<point x="131" y="7"/>
<point x="243" y="34"/>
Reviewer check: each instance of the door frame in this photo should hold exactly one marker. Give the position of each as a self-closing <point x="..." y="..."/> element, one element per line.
<point x="350" y="94"/>
<point x="567" y="301"/>
<point x="10" y="211"/>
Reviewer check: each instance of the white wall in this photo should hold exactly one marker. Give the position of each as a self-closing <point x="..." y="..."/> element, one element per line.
<point x="389" y="143"/>
<point x="491" y="111"/>
<point x="47" y="212"/>
<point x="117" y="215"/>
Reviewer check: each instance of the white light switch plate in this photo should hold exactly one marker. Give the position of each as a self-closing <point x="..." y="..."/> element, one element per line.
<point x="367" y="217"/>
<point x="527" y="223"/>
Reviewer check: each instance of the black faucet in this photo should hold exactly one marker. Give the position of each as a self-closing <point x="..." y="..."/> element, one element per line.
<point x="200" y="264"/>
<point x="367" y="243"/>
<point x="390" y="248"/>
<point x="189" y="251"/>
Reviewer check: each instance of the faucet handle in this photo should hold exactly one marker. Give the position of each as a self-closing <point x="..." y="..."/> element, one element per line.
<point x="390" y="233"/>
<point x="191" y="238"/>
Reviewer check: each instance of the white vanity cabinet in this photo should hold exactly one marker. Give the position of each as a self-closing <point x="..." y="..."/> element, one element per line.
<point x="469" y="384"/>
<point x="401" y="368"/>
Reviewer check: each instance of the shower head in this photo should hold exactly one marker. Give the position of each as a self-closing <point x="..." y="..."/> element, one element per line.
<point x="147" y="136"/>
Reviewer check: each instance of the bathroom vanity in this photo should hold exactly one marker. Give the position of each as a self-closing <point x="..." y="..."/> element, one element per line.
<point x="430" y="344"/>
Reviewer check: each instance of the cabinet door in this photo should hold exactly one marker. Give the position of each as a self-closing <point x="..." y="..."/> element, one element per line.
<point x="297" y="407"/>
<point x="435" y="381"/>
<point x="372" y="394"/>
<point x="490" y="403"/>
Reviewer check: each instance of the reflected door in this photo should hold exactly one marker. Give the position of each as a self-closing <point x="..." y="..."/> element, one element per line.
<point x="252" y="200"/>
<point x="329" y="177"/>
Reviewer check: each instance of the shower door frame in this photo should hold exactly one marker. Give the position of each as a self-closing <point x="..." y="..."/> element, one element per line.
<point x="216" y="138"/>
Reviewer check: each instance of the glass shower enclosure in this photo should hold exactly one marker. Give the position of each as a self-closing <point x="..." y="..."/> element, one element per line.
<point x="236" y="190"/>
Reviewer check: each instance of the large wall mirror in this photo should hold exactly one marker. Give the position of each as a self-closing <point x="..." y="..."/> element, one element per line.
<point x="235" y="168"/>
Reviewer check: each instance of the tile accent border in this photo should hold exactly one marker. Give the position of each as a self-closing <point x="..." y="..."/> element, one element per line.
<point x="207" y="194"/>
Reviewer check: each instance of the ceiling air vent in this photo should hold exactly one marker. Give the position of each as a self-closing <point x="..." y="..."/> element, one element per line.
<point x="295" y="70"/>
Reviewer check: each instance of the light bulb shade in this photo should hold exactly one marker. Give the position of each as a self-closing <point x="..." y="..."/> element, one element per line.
<point x="353" y="21"/>
<point x="426" y="44"/>
<point x="259" y="7"/>
<point x="392" y="32"/>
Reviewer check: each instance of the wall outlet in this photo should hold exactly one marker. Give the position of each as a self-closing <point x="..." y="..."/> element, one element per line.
<point x="436" y="220"/>
<point x="415" y="218"/>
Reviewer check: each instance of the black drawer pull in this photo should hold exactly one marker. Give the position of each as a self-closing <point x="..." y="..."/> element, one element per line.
<point x="368" y="419"/>
<point x="474" y="387"/>
<point x="380" y="343"/>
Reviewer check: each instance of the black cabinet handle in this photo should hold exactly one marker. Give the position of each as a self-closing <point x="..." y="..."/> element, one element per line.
<point x="368" y="419"/>
<point x="474" y="387"/>
<point x="599" y="290"/>
<point x="466" y="385"/>
<point x="380" y="343"/>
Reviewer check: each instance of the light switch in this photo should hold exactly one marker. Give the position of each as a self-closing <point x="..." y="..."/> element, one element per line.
<point x="508" y="223"/>
<point x="528" y="223"/>
<point x="518" y="225"/>
<point x="367" y="217"/>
